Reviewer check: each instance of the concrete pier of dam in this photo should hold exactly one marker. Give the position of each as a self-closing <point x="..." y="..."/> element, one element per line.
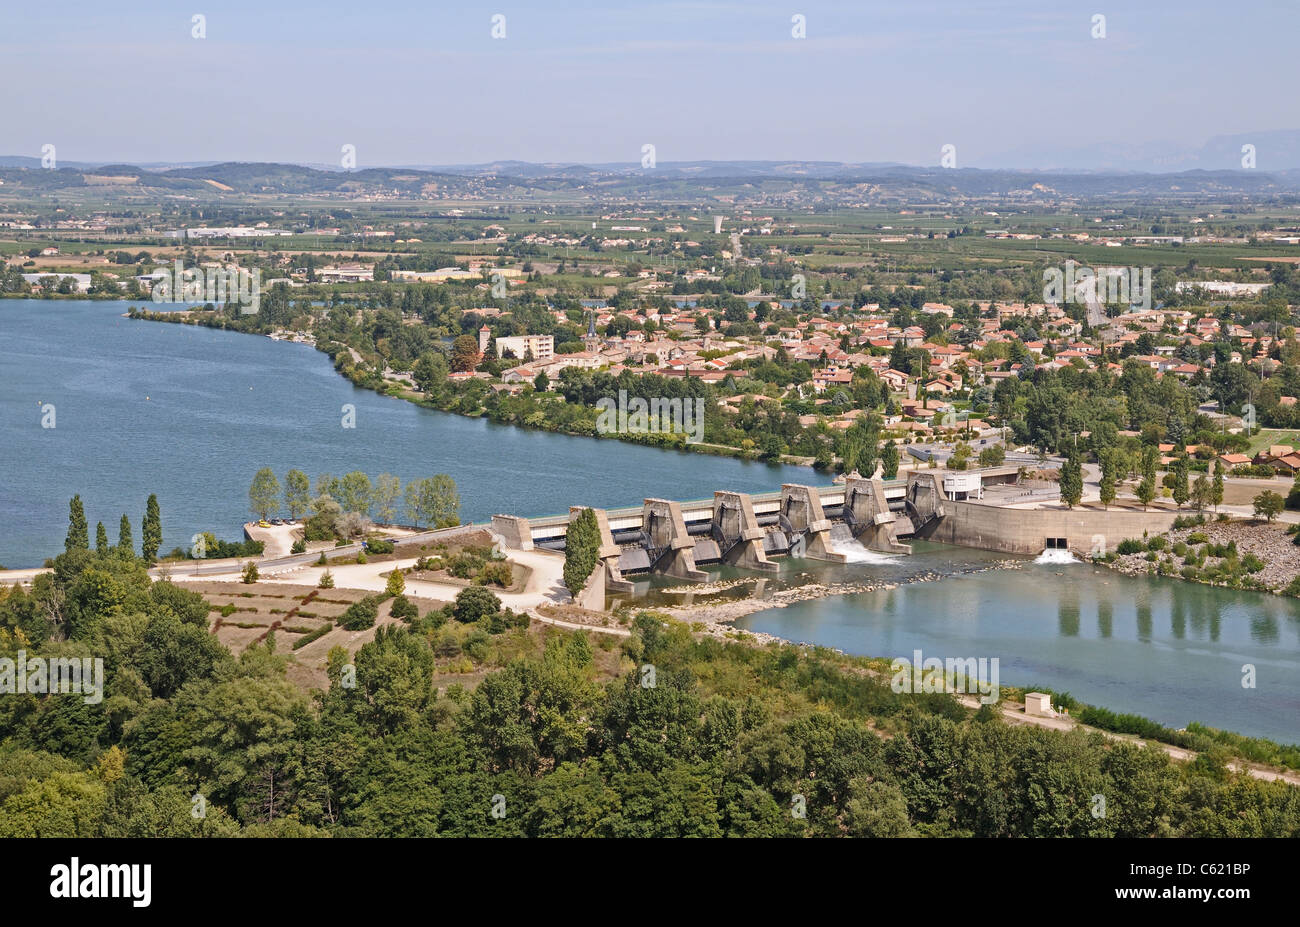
<point x="987" y="509"/>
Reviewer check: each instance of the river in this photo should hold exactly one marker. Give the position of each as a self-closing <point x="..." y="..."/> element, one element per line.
<point x="1163" y="648"/>
<point x="191" y="413"/>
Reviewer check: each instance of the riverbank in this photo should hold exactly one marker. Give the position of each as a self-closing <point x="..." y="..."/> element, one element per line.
<point x="1239" y="554"/>
<point x="407" y="392"/>
<point x="716" y="616"/>
<point x="1140" y="645"/>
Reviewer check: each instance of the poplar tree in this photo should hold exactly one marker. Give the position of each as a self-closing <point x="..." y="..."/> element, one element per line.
<point x="151" y="529"/>
<point x="1107" y="486"/>
<point x="1146" y="492"/>
<point x="125" y="544"/>
<point x="889" y="459"/>
<point x="78" y="531"/>
<point x="1182" y="491"/>
<point x="101" y="539"/>
<point x="1072" y="481"/>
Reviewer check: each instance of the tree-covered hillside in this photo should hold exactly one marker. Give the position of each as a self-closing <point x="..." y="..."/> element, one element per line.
<point x="566" y="736"/>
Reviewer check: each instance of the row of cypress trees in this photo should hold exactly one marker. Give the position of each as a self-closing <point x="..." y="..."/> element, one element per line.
<point x="78" y="537"/>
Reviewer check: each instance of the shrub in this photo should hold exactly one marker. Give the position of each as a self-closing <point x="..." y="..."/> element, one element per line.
<point x="326" y="580"/>
<point x="214" y="549"/>
<point x="361" y="615"/>
<point x="1156" y="543"/>
<point x="1197" y="537"/>
<point x="361" y="557"/>
<point x="250" y="572"/>
<point x="1130" y="546"/>
<point x="447" y="644"/>
<point x="1257" y="470"/>
<point x="477" y="645"/>
<point x="228" y="610"/>
<point x="432" y="620"/>
<point x="1252" y="563"/>
<point x="464" y="565"/>
<point x="1062" y="699"/>
<point x="403" y="608"/>
<point x="314" y="635"/>
<point x="1224" y="550"/>
<point x="504" y="620"/>
<point x="1134" y="724"/>
<point x="299" y="547"/>
<point x="379" y="546"/>
<point x="499" y="573"/>
<point x="475" y="603"/>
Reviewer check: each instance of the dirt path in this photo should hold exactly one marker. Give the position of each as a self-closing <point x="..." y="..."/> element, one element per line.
<point x="1066" y="723"/>
<point x="545" y="582"/>
<point x="575" y="626"/>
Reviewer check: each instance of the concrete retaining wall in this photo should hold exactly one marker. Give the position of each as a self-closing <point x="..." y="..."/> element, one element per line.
<point x="1026" y="531"/>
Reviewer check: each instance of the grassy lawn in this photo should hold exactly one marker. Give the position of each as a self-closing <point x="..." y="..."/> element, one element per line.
<point x="1270" y="436"/>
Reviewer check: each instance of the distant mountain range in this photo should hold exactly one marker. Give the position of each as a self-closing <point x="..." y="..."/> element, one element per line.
<point x="819" y="181"/>
<point x="1275" y="150"/>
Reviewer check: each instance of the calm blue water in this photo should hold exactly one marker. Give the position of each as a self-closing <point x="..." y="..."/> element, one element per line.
<point x="191" y="414"/>
<point x="1166" y="649"/>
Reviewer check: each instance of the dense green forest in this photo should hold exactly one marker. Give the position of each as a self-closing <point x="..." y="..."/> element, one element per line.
<point x="564" y="736"/>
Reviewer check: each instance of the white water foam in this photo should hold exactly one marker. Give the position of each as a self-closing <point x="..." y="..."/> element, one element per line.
<point x="843" y="542"/>
<point x="860" y="554"/>
<point x="1057" y="555"/>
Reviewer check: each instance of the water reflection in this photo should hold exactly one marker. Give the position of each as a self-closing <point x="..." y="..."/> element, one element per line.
<point x="1264" y="629"/>
<point x="1144" y="619"/>
<point x="1067" y="611"/>
<point x="1160" y="647"/>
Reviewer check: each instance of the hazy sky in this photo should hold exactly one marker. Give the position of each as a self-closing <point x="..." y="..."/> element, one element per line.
<point x="426" y="83"/>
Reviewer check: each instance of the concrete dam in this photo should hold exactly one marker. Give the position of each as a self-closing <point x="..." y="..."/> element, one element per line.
<point x="988" y="509"/>
<point x="743" y="529"/>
